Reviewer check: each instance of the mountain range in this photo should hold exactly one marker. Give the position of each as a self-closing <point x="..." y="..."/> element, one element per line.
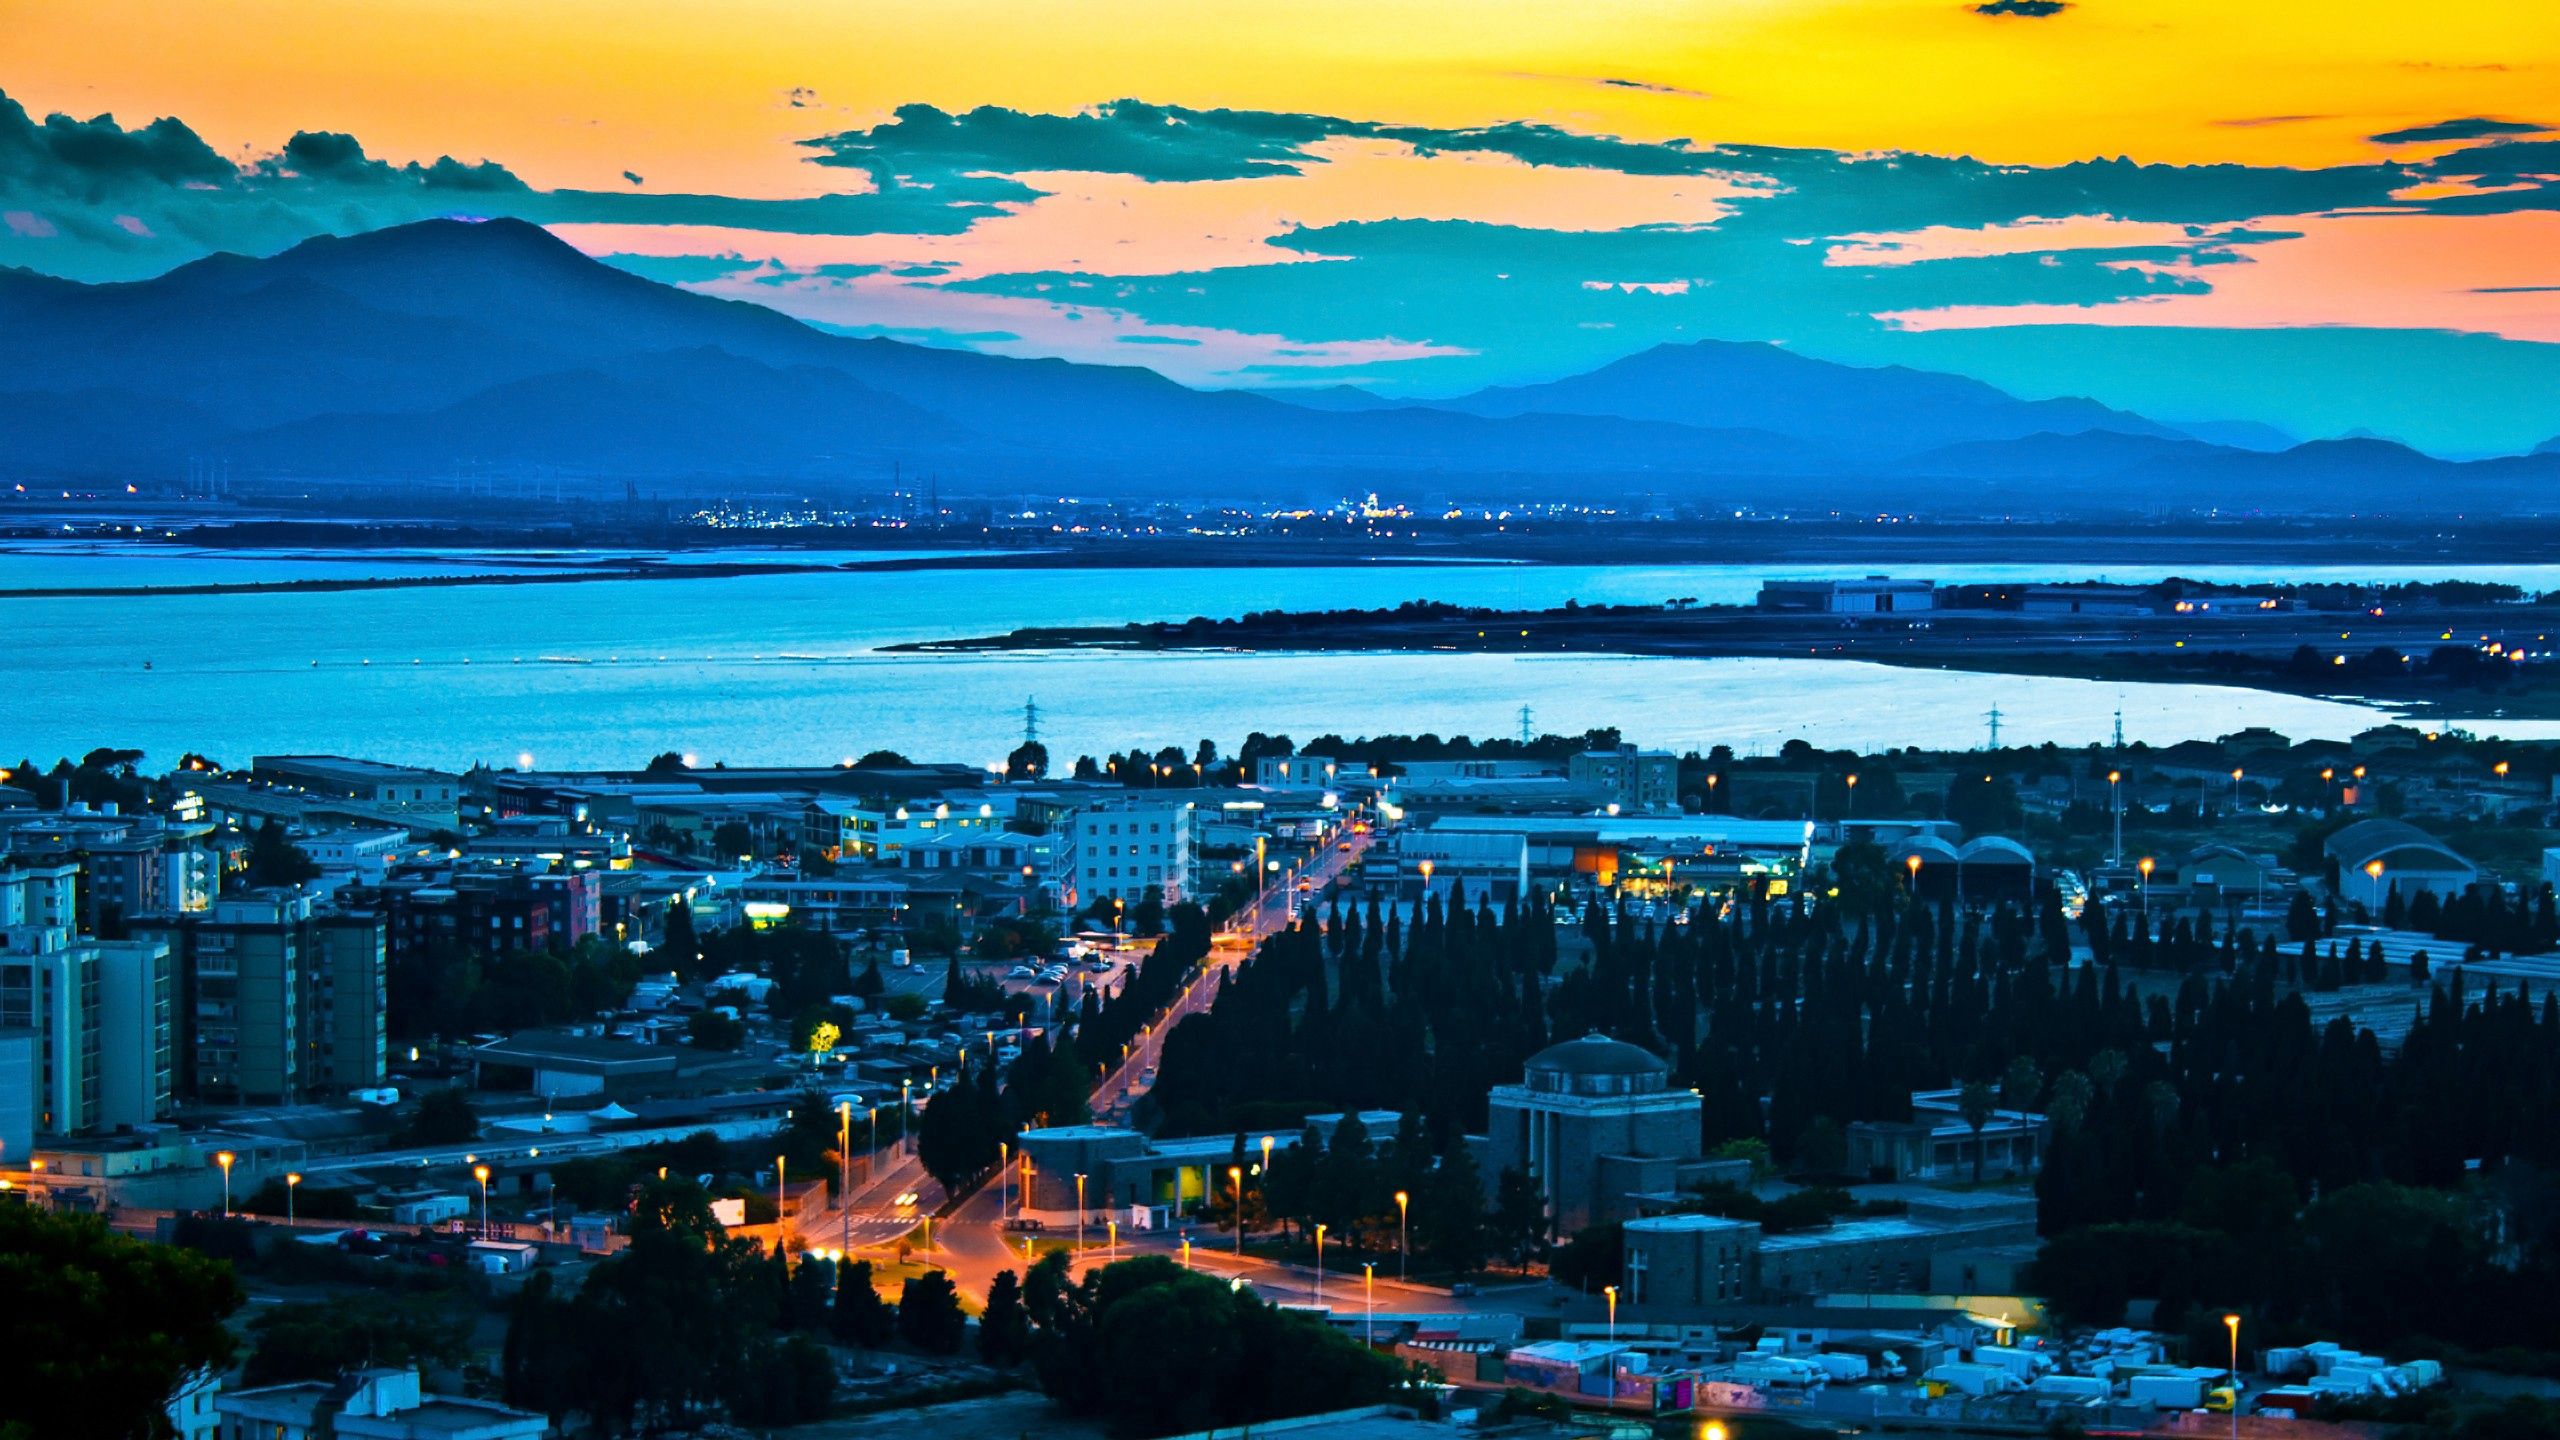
<point x="413" y="351"/>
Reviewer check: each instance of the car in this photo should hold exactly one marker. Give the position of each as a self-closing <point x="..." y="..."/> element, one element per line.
<point x="1021" y="972"/>
<point x="906" y="1200"/>
<point x="1024" y="1224"/>
<point x="1462" y="1290"/>
<point x="1305" y="885"/>
<point x="1346" y="847"/>
<point x="1099" y="967"/>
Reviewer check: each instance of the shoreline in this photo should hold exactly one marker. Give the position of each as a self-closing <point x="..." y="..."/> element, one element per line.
<point x="2254" y="653"/>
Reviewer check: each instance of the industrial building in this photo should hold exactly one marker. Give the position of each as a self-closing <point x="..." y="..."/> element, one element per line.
<point x="1873" y="595"/>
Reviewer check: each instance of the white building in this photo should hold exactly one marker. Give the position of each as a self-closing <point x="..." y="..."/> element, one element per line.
<point x="99" y="1011"/>
<point x="1130" y="849"/>
<point x="2376" y="857"/>
<point x="368" y="1405"/>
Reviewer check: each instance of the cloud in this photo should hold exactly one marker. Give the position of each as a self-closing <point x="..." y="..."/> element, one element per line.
<point x="326" y="155"/>
<point x="1654" y="87"/>
<point x="2024" y="9"/>
<point x="2261" y="122"/>
<point x="72" y="157"/>
<point x="1156" y="339"/>
<point x="2477" y="127"/>
<point x="800" y="97"/>
<point x="923" y="146"/>
<point x="634" y="177"/>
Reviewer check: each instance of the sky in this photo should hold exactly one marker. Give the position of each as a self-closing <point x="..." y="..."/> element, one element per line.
<point x="2328" y="216"/>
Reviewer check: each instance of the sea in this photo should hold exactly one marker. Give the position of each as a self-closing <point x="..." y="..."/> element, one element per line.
<point x="790" y="668"/>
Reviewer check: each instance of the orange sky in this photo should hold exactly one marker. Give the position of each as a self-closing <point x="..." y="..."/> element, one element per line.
<point x="693" y="95"/>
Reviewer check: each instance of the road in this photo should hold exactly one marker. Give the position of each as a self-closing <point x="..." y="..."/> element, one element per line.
<point x="971" y="1241"/>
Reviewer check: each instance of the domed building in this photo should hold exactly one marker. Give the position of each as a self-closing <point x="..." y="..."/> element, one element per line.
<point x="1595" y="1122"/>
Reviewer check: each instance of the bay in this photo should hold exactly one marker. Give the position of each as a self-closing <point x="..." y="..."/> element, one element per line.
<point x="788" y="668"/>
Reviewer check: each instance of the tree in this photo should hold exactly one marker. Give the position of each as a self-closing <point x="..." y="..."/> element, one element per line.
<point x="444" y="1117"/>
<point x="929" y="1314"/>
<point x="731" y="839"/>
<point x="275" y="860"/>
<point x="99" y="1330"/>
<point x="860" y="1316"/>
<point x="1519" y="1222"/>
<point x="319" y="1341"/>
<point x="811" y="1281"/>
<point x="1149" y="1348"/>
<point x="1976" y="1105"/>
<point x="787" y="1384"/>
<point x="1029" y="761"/>
<point x="1594" y="1257"/>
<point x="1004" y="1327"/>
<point x="711" y="1030"/>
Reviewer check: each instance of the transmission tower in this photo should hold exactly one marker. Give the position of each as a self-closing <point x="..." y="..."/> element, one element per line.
<point x="1993" y="717"/>
<point x="1031" y="721"/>
<point x="1524" y="725"/>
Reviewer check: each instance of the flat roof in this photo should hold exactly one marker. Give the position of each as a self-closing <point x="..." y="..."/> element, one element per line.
<point x="345" y="765"/>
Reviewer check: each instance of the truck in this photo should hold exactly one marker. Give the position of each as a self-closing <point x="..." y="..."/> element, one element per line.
<point x="2025" y="1364"/>
<point x="1838" y="1366"/>
<point x="2166" y="1390"/>
<point x="1971" y="1379"/>
<point x="2087" y="1388"/>
<point x="1778" y="1372"/>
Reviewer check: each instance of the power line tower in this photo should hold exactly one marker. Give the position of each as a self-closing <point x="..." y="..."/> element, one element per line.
<point x="1993" y="717"/>
<point x="2119" y="729"/>
<point x="1031" y="720"/>
<point x="1524" y="725"/>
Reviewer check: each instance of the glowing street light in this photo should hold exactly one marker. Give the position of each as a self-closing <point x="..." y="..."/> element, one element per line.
<point x="1912" y="864"/>
<point x="2145" y="868"/>
<point x="1402" y="1202"/>
<point x="292" y="1182"/>
<point x="1079" y="1212"/>
<point x="1319" y="1264"/>
<point x="224" y="1159"/>
<point x="1612" y="1292"/>
<point x="481" y="1174"/>
<point x="1235" y="1179"/>
<point x="2232" y="1323"/>
<point x="1369" y="1300"/>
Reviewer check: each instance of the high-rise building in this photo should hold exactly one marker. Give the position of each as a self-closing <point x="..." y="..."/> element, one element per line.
<point x="96" y="1013"/>
<point x="278" y="1000"/>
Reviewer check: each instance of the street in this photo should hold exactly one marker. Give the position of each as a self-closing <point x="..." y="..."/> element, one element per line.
<point x="971" y="1241"/>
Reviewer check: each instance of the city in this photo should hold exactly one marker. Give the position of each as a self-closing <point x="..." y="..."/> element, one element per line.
<point x="1643" y="720"/>
<point x="430" y="1056"/>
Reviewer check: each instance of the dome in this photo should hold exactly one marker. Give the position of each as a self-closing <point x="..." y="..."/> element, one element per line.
<point x="1597" y="1054"/>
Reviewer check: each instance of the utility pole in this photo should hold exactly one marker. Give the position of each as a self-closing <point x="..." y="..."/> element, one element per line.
<point x="1524" y="725"/>
<point x="1031" y="720"/>
<point x="1993" y="716"/>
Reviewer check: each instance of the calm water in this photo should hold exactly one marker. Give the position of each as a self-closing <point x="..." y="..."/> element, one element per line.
<point x="785" y="668"/>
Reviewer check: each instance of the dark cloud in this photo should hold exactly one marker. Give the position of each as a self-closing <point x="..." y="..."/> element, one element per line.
<point x="801" y="97"/>
<point x="2513" y="290"/>
<point x="1155" y="340"/>
<point x="2476" y="127"/>
<point x="2504" y="162"/>
<point x="926" y="147"/>
<point x="634" y="177"/>
<point x="2024" y="9"/>
<point x="75" y="157"/>
<point x="1655" y="87"/>
<point x="2261" y="122"/>
<point x="327" y="155"/>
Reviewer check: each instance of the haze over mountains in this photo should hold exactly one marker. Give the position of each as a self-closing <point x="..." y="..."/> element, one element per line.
<point x="411" y="352"/>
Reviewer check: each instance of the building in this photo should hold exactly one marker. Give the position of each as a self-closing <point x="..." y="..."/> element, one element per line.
<point x="21" y="1051"/>
<point x="278" y="1000"/>
<point x="1132" y="849"/>
<point x="1692" y="1261"/>
<point x="99" y="1012"/>
<point x="1874" y="595"/>
<point x="128" y="864"/>
<point x="429" y="796"/>
<point x="368" y="1405"/>
<point x="1629" y="779"/>
<point x="1938" y="1143"/>
<point x="2376" y="857"/>
<point x="1307" y="772"/>
<point x="1128" y="1176"/>
<point x="1594" y="1123"/>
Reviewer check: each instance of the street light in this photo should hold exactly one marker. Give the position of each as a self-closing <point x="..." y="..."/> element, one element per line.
<point x="1004" y="1181"/>
<point x="1186" y="1252"/>
<point x="781" y="1196"/>
<point x="1235" y="1178"/>
<point x="1111" y="1237"/>
<point x="906" y="1102"/>
<point x="1079" y="1212"/>
<point x="1265" y="1172"/>
<point x="1912" y="863"/>
<point x="481" y="1174"/>
<point x="1369" y="1301"/>
<point x="292" y="1179"/>
<point x="844" y="1183"/>
<point x="224" y="1159"/>
<point x="1612" y="1292"/>
<point x="1319" y="1264"/>
<point x="2115" y="803"/>
<point x="1849" y="807"/>
<point x="2235" y="790"/>
<point x="2232" y="1323"/>
<point x="2145" y="868"/>
<point x="1402" y="1201"/>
